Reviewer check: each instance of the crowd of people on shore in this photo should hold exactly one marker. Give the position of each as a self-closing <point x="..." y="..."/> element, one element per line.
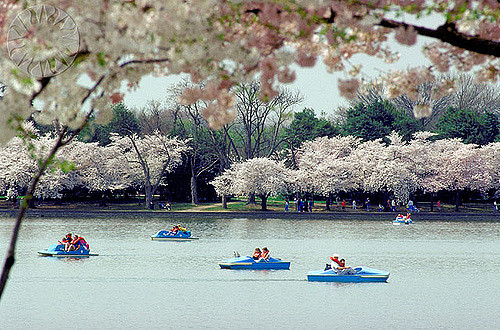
<point x="304" y="205"/>
<point x="301" y="205"/>
<point x="74" y="242"/>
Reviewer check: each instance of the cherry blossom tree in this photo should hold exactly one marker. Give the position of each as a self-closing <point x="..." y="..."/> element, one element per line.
<point x="384" y="168"/>
<point x="150" y="157"/>
<point x="460" y="166"/>
<point x="260" y="176"/>
<point x="77" y="165"/>
<point x="325" y="166"/>
<point x="491" y="154"/>
<point x="16" y="168"/>
<point x="392" y="171"/>
<point x="399" y="168"/>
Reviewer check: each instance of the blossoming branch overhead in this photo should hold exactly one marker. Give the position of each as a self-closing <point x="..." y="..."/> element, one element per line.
<point x="224" y="43"/>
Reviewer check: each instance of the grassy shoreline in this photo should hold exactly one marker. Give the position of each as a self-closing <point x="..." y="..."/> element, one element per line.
<point x="273" y="205"/>
<point x="243" y="210"/>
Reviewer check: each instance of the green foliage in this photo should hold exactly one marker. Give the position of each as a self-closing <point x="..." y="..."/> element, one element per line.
<point x="377" y="120"/>
<point x="124" y="123"/>
<point x="306" y="126"/>
<point x="471" y="126"/>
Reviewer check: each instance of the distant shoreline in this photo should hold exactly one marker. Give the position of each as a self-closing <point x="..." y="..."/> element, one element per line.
<point x="332" y="215"/>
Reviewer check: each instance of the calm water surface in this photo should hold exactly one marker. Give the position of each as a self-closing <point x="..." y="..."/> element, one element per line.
<point x="443" y="275"/>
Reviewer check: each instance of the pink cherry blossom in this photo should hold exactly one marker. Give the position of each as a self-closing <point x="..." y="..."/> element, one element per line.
<point x="406" y="36"/>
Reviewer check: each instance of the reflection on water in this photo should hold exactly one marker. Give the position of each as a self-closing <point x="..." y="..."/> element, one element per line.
<point x="440" y="273"/>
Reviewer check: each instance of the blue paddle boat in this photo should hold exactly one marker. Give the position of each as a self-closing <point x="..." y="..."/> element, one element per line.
<point x="57" y="250"/>
<point x="167" y="235"/>
<point x="402" y="220"/>
<point x="250" y="263"/>
<point x="360" y="274"/>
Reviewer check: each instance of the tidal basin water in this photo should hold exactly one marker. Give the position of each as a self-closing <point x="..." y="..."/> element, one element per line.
<point x="443" y="275"/>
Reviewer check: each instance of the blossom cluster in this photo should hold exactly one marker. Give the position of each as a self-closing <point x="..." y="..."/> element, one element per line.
<point x="259" y="176"/>
<point x="228" y="42"/>
<point x="343" y="164"/>
<point x="81" y="165"/>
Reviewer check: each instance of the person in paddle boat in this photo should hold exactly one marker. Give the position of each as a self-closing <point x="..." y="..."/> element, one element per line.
<point x="182" y="228"/>
<point x="407" y="218"/>
<point x="333" y="258"/>
<point x="174" y="230"/>
<point x="339" y="266"/>
<point x="265" y="254"/>
<point x="66" y="241"/>
<point x="256" y="254"/>
<point x="82" y="242"/>
<point x="75" y="243"/>
<point x="78" y="241"/>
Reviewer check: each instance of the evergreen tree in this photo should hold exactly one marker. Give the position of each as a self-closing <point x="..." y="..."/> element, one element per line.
<point x="306" y="126"/>
<point x="124" y="123"/>
<point x="470" y="126"/>
<point x="377" y="120"/>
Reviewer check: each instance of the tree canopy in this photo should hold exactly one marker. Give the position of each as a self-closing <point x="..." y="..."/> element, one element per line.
<point x="377" y="120"/>
<point x="306" y="126"/>
<point x="468" y="125"/>
<point x="124" y="122"/>
<point x="225" y="43"/>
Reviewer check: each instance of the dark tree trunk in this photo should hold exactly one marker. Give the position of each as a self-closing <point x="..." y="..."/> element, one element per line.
<point x="149" y="195"/>
<point x="224" y="202"/>
<point x="263" y="202"/>
<point x="432" y="202"/>
<point x="194" y="190"/>
<point x="457" y="200"/>
<point x="251" y="198"/>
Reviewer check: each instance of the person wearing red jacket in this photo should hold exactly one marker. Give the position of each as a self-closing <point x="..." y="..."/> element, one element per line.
<point x="339" y="266"/>
<point x="84" y="243"/>
<point x="77" y="242"/>
<point x="265" y="254"/>
<point x="257" y="254"/>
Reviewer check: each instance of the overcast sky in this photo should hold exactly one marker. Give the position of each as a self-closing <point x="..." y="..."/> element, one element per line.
<point x="318" y="87"/>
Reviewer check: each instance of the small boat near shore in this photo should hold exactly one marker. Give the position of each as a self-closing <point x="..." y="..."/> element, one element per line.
<point x="167" y="235"/>
<point x="249" y="263"/>
<point x="361" y="274"/>
<point x="57" y="250"/>
<point x="402" y="220"/>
